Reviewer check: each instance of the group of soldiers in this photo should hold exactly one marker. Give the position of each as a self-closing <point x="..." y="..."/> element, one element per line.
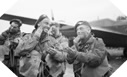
<point x="45" y="52"/>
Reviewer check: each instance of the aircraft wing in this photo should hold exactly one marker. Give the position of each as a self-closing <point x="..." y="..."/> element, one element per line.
<point x="111" y="36"/>
<point x="25" y="20"/>
<point x="64" y="27"/>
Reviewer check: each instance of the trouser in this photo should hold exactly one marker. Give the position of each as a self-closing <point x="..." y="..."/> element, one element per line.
<point x="13" y="68"/>
<point x="56" y="68"/>
<point x="77" y="74"/>
<point x="77" y="69"/>
<point x="47" y="74"/>
<point x="108" y="74"/>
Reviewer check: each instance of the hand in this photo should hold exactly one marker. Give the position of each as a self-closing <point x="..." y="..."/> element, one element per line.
<point x="76" y="40"/>
<point x="65" y="44"/>
<point x="7" y="43"/>
<point x="17" y="40"/>
<point x="71" y="53"/>
<point x="51" y="51"/>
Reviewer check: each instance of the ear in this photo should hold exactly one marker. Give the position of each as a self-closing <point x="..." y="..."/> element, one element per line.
<point x="38" y="24"/>
<point x="89" y="30"/>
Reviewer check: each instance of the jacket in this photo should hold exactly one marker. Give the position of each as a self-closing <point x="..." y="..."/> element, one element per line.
<point x="91" y="58"/>
<point x="57" y="63"/>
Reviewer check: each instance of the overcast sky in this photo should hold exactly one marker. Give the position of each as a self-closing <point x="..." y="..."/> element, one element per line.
<point x="69" y="11"/>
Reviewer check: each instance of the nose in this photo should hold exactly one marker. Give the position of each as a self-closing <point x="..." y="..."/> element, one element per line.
<point x="46" y="30"/>
<point x="78" y="32"/>
<point x="11" y="27"/>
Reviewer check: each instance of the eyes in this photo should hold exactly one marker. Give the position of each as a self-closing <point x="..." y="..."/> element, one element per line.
<point x="46" y="23"/>
<point x="14" y="27"/>
<point x="83" y="28"/>
<point x="80" y="28"/>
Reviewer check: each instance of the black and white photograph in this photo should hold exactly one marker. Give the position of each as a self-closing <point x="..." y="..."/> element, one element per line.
<point x="63" y="38"/>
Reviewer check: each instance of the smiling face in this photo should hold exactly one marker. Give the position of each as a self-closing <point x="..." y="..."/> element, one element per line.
<point x="83" y="31"/>
<point x="14" y="27"/>
<point x="55" y="30"/>
<point x="45" y="23"/>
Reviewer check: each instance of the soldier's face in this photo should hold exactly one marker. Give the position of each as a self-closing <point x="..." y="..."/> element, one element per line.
<point x="45" y="23"/>
<point x="83" y="31"/>
<point x="54" y="30"/>
<point x="14" y="27"/>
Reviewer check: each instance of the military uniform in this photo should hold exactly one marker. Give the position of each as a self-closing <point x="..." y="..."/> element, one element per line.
<point x="5" y="41"/>
<point x="6" y="37"/>
<point x="57" y="62"/>
<point x="33" y="53"/>
<point x="7" y="46"/>
<point x="32" y="49"/>
<point x="89" y="58"/>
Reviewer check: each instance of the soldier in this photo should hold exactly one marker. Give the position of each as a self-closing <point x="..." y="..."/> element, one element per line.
<point x="55" y="32"/>
<point x="33" y="49"/>
<point x="89" y="54"/>
<point x="7" y="44"/>
<point x="57" y="65"/>
<point x="8" y="36"/>
<point x="30" y="48"/>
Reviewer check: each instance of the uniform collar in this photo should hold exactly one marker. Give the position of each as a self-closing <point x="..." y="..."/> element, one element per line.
<point x="87" y="40"/>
